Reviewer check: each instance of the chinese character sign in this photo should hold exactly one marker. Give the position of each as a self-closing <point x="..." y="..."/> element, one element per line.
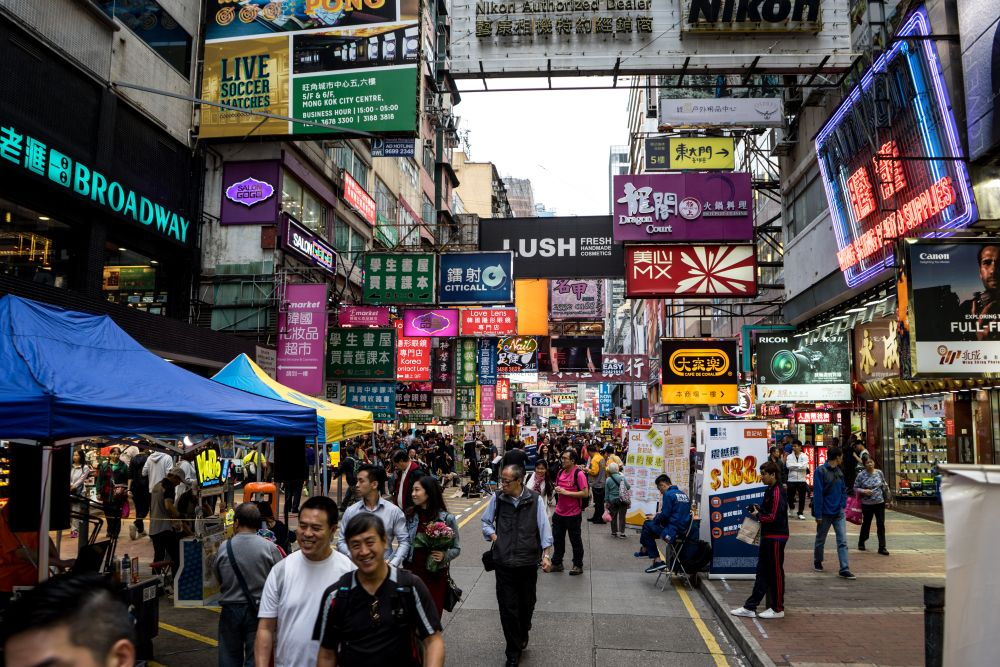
<point x="465" y="363"/>
<point x="363" y="316"/>
<point x="442" y="370"/>
<point x="503" y="389"/>
<point x="391" y="278"/>
<point x="414" y="396"/>
<point x="361" y="354"/>
<point x="604" y="399"/>
<point x="301" y="332"/>
<point x="413" y="356"/>
<point x="465" y="403"/>
<point x="576" y="299"/>
<point x="487" y="402"/>
<point x="377" y="397"/>
<point x="489" y="321"/>
<point x="699" y="371"/>
<point x="517" y="354"/>
<point x="486" y="361"/>
<point x="476" y="277"/>
<point x="674" y="270"/>
<point x="430" y="322"/>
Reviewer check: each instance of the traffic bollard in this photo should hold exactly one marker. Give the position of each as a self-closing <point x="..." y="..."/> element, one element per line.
<point x="933" y="625"/>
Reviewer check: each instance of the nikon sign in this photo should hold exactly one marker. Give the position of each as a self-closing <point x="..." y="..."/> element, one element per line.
<point x="753" y="16"/>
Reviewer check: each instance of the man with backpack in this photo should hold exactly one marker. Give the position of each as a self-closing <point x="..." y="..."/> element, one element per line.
<point x="572" y="497"/>
<point x="674" y="519"/>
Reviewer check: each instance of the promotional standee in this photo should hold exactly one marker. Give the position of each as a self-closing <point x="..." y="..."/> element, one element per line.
<point x="652" y="451"/>
<point x="734" y="451"/>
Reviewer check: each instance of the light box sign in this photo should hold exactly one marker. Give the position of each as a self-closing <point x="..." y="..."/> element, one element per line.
<point x="212" y="469"/>
<point x="339" y="66"/>
<point x="248" y="192"/>
<point x="476" y="277"/>
<point x="576" y="300"/>
<point x="683" y="207"/>
<point x="562" y="247"/>
<point x="307" y="246"/>
<point x="465" y="363"/>
<point x="379" y="398"/>
<point x="517" y="354"/>
<point x="359" y="199"/>
<point x="413" y="356"/>
<point x="390" y="147"/>
<point x="878" y="193"/>
<point x="813" y="417"/>
<point x="690" y="270"/>
<point x="489" y="321"/>
<point x="361" y="354"/>
<point x="722" y="111"/>
<point x="363" y="316"/>
<point x="486" y="361"/>
<point x="301" y="332"/>
<point x="690" y="153"/>
<point x="790" y="368"/>
<point x="438" y="322"/>
<point x="397" y="278"/>
<point x="699" y="371"/>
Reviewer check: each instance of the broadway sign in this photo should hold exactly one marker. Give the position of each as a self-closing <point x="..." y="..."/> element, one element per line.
<point x="556" y="247"/>
<point x="687" y="270"/>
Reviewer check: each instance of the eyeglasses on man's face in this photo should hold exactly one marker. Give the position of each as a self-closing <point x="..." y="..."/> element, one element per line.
<point x="507" y="480"/>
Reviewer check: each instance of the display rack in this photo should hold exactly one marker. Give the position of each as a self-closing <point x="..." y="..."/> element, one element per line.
<point x="920" y="445"/>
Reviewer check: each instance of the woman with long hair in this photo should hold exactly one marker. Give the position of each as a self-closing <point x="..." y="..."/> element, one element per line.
<point x="539" y="482"/>
<point x="79" y="474"/>
<point x="112" y="489"/>
<point x="429" y="508"/>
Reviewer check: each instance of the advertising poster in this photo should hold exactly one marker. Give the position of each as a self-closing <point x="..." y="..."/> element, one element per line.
<point x="531" y="300"/>
<point x="741" y="111"/>
<point x="430" y="322"/>
<point x="791" y="368"/>
<point x="876" y="351"/>
<point x="683" y="207"/>
<point x="489" y="321"/>
<point x="465" y="403"/>
<point x="301" y="331"/>
<point x="690" y="153"/>
<point x="377" y="397"/>
<point x="731" y="482"/>
<point x="702" y="270"/>
<point x="699" y="371"/>
<point x="361" y="354"/>
<point x="487" y="402"/>
<point x="954" y="307"/>
<point x="486" y="361"/>
<point x="394" y="278"/>
<point x="359" y="199"/>
<point x="465" y="363"/>
<point x="476" y="277"/>
<point x="338" y="66"/>
<point x="529" y="436"/>
<point x="413" y="356"/>
<point x="579" y="354"/>
<point x="517" y="354"/>
<point x="572" y="247"/>
<point x="442" y="370"/>
<point x="363" y="316"/>
<point x="576" y="300"/>
<point x="645" y="462"/>
<point x="248" y="192"/>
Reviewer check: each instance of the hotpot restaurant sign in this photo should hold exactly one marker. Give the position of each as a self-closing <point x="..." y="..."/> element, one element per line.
<point x="699" y="371"/>
<point x="476" y="277"/>
<point x="708" y="270"/>
<point x="954" y="307"/>
<point x="791" y="368"/>
<point x="570" y="247"/>
<point x="878" y="193"/>
<point x="683" y="207"/>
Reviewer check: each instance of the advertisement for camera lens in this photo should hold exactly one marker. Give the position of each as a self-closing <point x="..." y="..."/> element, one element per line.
<point x="955" y="307"/>
<point x="799" y="368"/>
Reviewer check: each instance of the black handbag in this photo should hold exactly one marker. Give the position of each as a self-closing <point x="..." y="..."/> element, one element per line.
<point x="452" y="595"/>
<point x="488" y="563"/>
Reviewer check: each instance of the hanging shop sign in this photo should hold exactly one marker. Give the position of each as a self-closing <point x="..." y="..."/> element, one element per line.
<point x="690" y="153"/>
<point x="517" y="354"/>
<point x="379" y="398"/>
<point x="683" y="207"/>
<point x="397" y="278"/>
<point x="442" y="370"/>
<point x="359" y="199"/>
<point x="430" y="322"/>
<point x="604" y="400"/>
<point x="540" y="401"/>
<point x="465" y="403"/>
<point x="413" y="356"/>
<point x="745" y="408"/>
<point x="389" y="147"/>
<point x="503" y="389"/>
<point x="489" y="321"/>
<point x="248" y="192"/>
<point x="689" y="270"/>
<point x="699" y="371"/>
<point x="361" y="354"/>
<point x="723" y="111"/>
<point x="979" y="69"/>
<point x="615" y="368"/>
<point x="414" y="396"/>
<point x="363" y="316"/>
<point x="465" y="363"/>
<point x="813" y="417"/>
<point x="953" y="307"/>
<point x="301" y="332"/>
<point x="476" y="277"/>
<point x="487" y="403"/>
<point x="876" y="350"/>
<point x="914" y="179"/>
<point x="789" y="369"/>
<point x="572" y="354"/>
<point x="562" y="247"/>
<point x="307" y="246"/>
<point x="576" y="300"/>
<point x="352" y="66"/>
<point x="729" y="16"/>
<point x="486" y="361"/>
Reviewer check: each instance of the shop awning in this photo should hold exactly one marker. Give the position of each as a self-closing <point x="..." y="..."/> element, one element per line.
<point x="67" y="374"/>
<point x="336" y="422"/>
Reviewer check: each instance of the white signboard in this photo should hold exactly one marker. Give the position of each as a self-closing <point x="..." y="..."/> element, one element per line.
<point x="727" y="111"/>
<point x="267" y="359"/>
<point x="553" y="37"/>
<point x="804" y="393"/>
<point x="652" y="451"/>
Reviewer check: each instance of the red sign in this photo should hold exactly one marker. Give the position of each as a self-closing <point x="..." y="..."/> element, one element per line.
<point x="813" y="417"/>
<point x="359" y="199"/>
<point x="690" y="270"/>
<point x="413" y="356"/>
<point x="503" y="389"/>
<point x="489" y="321"/>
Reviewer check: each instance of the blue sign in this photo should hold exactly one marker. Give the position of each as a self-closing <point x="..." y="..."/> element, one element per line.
<point x="476" y="277"/>
<point x="727" y="511"/>
<point x="604" y="399"/>
<point x="393" y="147"/>
<point x="486" y="361"/>
<point x="377" y="397"/>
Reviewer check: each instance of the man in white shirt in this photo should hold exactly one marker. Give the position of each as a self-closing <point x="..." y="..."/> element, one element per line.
<point x="294" y="589"/>
<point x="392" y="517"/>
<point x="156" y="467"/>
<point x="798" y="467"/>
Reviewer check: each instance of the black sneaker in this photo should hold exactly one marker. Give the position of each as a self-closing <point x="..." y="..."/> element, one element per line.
<point x="818" y="566"/>
<point x="846" y="574"/>
<point x="656" y="566"/>
<point x="883" y="551"/>
<point x="861" y="547"/>
<point x="577" y="569"/>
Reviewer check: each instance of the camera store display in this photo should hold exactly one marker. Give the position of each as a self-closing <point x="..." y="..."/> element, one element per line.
<point x="920" y="446"/>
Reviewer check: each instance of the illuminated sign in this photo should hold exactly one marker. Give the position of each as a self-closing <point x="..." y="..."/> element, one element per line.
<point x="914" y="177"/>
<point x="711" y="270"/>
<point x="212" y="470"/>
<point x="249" y="191"/>
<point x="699" y="371"/>
<point x="359" y="199"/>
<point x="308" y="246"/>
<point x="694" y="153"/>
<point x="745" y="408"/>
<point x="813" y="417"/>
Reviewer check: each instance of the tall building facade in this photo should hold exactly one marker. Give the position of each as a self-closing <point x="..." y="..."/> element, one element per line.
<point x="520" y="196"/>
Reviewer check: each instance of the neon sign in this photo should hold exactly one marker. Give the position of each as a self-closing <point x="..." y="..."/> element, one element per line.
<point x="880" y="192"/>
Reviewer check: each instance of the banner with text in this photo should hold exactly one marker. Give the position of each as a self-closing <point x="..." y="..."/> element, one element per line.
<point x="301" y="332"/>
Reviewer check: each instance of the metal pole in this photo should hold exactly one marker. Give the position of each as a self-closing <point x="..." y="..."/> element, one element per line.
<point x="933" y="625"/>
<point x="43" y="526"/>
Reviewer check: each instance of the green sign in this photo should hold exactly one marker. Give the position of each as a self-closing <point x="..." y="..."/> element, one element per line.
<point x="465" y="401"/>
<point x="465" y="363"/>
<point x="386" y="230"/>
<point x="361" y="354"/>
<point x="36" y="157"/>
<point x="520" y="396"/>
<point x="369" y="100"/>
<point x="397" y="278"/>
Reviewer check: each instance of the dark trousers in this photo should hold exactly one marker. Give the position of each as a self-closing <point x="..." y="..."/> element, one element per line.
<point x="618" y="510"/>
<point x="598" y="504"/>
<point x="167" y="544"/>
<point x="141" y="507"/>
<point x="237" y="632"/>
<point x="867" y="512"/>
<point x="293" y="495"/>
<point x="647" y="538"/>
<point x="516" y="600"/>
<point x="799" y="489"/>
<point x="560" y="526"/>
<point x="770" y="581"/>
<point x="113" y="515"/>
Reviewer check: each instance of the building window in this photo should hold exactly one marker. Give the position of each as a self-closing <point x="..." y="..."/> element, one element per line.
<point x="130" y="279"/>
<point x="35" y="247"/>
<point x="358" y="242"/>
<point x="427" y="211"/>
<point x="805" y="203"/>
<point x="302" y="204"/>
<point x="341" y="235"/>
<point x="349" y="161"/>
<point x="152" y="24"/>
<point x="386" y="215"/>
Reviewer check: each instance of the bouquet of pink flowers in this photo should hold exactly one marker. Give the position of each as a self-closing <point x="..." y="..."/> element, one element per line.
<point x="436" y="536"/>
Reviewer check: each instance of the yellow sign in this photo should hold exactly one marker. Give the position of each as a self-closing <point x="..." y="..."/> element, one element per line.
<point x="699" y="394"/>
<point x="699" y="363"/>
<point x="700" y="153"/>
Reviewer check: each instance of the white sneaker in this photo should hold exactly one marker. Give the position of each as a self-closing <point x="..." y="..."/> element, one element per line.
<point x="767" y="613"/>
<point x="133" y="532"/>
<point x="802" y="516"/>
<point x="743" y="611"/>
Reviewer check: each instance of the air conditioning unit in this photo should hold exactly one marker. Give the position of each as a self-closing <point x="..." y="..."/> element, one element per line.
<point x="783" y="143"/>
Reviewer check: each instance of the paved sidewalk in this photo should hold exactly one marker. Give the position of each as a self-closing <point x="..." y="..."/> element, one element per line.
<point x="875" y="620"/>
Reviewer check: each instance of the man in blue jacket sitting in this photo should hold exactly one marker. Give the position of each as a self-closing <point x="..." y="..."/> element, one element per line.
<point x="673" y="520"/>
<point x="829" y="503"/>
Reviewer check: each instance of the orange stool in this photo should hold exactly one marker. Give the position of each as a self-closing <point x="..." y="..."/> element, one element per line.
<point x="265" y="490"/>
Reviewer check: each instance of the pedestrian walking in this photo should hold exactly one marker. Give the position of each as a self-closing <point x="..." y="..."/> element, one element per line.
<point x="829" y="502"/>
<point x="516" y="524"/>
<point x="294" y="587"/>
<point x="777" y="455"/>
<point x="797" y="464"/>
<point x="241" y="567"/>
<point x="430" y="564"/>
<point x="164" y="519"/>
<point x="138" y="491"/>
<point x="79" y="474"/>
<point x="616" y="507"/>
<point x="571" y="490"/>
<point x="370" y="479"/>
<point x="770" y="580"/>
<point x="379" y="615"/>
<point x="674" y="519"/>
<point x="538" y="480"/>
<point x="870" y="484"/>
<point x="155" y="468"/>
<point x="597" y="475"/>
<point x="407" y="470"/>
<point x="112" y="489"/>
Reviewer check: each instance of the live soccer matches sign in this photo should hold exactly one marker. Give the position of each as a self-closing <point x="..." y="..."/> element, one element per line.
<point x="699" y="371"/>
<point x="361" y="354"/>
<point x="397" y="278"/>
<point x="914" y="178"/>
<point x="682" y="270"/>
<point x="301" y="331"/>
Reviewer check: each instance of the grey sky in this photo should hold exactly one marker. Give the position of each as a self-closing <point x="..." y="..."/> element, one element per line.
<point x="557" y="138"/>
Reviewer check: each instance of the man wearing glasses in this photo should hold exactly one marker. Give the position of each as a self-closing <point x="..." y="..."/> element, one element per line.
<point x="516" y="524"/>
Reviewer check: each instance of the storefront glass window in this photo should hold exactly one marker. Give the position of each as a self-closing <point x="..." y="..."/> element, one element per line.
<point x="158" y="29"/>
<point x="131" y="279"/>
<point x="914" y="435"/>
<point x="34" y="247"/>
<point x="302" y="204"/>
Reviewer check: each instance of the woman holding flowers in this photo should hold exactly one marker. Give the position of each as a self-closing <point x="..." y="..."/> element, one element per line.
<point x="433" y="538"/>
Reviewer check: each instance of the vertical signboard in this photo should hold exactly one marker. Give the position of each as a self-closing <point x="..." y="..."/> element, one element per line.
<point x="442" y="372"/>
<point x="604" y="399"/>
<point x="465" y="403"/>
<point x="465" y="363"/>
<point x="487" y="403"/>
<point x="361" y="354"/>
<point x="486" y="361"/>
<point x="301" y="331"/>
<point x="413" y="356"/>
<point x="395" y="278"/>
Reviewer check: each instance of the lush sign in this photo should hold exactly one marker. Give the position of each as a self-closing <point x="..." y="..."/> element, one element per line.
<point x="568" y="247"/>
<point x="363" y="354"/>
<point x="398" y="278"/>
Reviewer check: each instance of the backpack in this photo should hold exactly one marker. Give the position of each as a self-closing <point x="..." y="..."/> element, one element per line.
<point x="696" y="555"/>
<point x="585" y="501"/>
<point x="624" y="491"/>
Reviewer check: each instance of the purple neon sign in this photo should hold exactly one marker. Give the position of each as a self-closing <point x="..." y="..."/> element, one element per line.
<point x="879" y="193"/>
<point x="249" y="191"/>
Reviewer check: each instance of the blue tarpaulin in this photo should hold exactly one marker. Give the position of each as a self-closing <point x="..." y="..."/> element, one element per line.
<point x="66" y="374"/>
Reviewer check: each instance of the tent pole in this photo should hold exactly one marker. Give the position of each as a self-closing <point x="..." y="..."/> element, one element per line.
<point x="46" y="505"/>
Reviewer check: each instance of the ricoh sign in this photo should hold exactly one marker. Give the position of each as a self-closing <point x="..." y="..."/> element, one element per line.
<point x="753" y="16"/>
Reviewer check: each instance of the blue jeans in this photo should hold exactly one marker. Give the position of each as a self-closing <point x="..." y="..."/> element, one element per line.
<point x="647" y="538"/>
<point x="840" y="528"/>
<point x="237" y="632"/>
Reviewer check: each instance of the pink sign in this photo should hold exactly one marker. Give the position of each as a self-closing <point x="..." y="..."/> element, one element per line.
<point x="363" y="316"/>
<point x="487" y="402"/>
<point x="489" y="321"/>
<point x="301" y="337"/>
<point x="430" y="322"/>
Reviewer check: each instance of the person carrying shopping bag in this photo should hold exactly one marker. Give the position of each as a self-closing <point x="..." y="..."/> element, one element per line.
<point x="872" y="489"/>
<point x="616" y="504"/>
